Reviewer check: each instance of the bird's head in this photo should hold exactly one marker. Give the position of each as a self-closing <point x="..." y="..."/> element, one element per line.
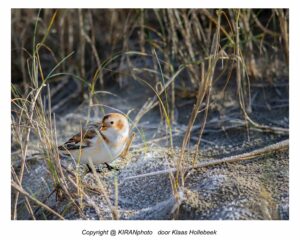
<point x="115" y="123"/>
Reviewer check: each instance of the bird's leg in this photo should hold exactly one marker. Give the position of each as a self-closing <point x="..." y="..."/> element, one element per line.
<point x="90" y="169"/>
<point x="111" y="167"/>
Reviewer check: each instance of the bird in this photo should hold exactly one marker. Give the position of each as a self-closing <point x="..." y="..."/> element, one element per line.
<point x="100" y="143"/>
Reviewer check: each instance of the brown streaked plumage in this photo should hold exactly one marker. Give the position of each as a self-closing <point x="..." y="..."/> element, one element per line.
<point x="81" y="139"/>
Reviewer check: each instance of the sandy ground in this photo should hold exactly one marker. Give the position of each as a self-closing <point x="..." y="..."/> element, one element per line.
<point x="252" y="189"/>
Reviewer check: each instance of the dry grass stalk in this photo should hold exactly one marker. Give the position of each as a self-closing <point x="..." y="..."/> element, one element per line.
<point x="114" y="210"/>
<point x="203" y="89"/>
<point x="24" y="147"/>
<point x="239" y="59"/>
<point x="284" y="32"/>
<point x="128" y="145"/>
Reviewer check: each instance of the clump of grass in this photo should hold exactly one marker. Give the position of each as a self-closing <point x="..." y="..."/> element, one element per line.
<point x="32" y="118"/>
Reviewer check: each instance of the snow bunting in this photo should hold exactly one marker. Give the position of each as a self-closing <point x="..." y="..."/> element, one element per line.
<point x="101" y="142"/>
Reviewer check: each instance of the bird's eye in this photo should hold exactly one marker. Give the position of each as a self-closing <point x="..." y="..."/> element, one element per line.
<point x="111" y="122"/>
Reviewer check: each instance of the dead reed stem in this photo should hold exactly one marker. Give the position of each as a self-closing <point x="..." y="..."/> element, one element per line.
<point x="29" y="208"/>
<point x="280" y="146"/>
<point x="22" y="191"/>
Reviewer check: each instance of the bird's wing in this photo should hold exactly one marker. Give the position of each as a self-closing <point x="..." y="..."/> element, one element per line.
<point x="82" y="139"/>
